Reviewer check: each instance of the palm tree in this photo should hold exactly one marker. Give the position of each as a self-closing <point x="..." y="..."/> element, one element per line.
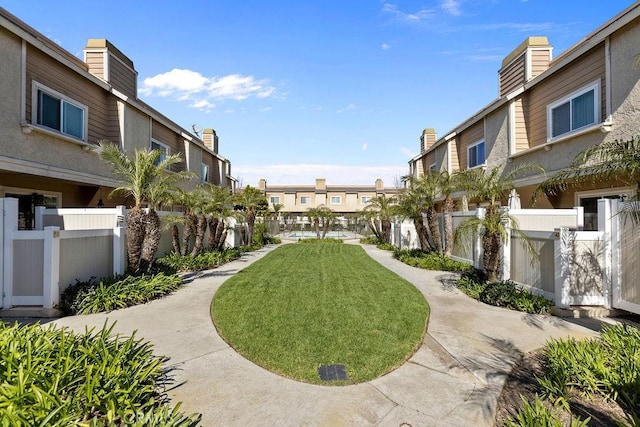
<point x="251" y="201"/>
<point x="614" y="160"/>
<point x="379" y="212"/>
<point x="327" y="219"/>
<point x="219" y="207"/>
<point x="313" y="214"/>
<point x="147" y="179"/>
<point x="412" y="205"/>
<point x="447" y="185"/>
<point x="490" y="188"/>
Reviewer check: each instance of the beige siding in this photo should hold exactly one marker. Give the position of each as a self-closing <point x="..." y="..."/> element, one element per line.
<point x="42" y="69"/>
<point x="540" y="60"/>
<point x="455" y="158"/>
<point x="171" y="139"/>
<point x="470" y="136"/>
<point x="521" y="125"/>
<point x="95" y="62"/>
<point x="586" y="70"/>
<point x="513" y="76"/>
<point x="122" y="77"/>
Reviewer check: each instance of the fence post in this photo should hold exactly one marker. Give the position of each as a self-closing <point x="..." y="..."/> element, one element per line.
<point x="39" y="219"/>
<point x="580" y="217"/>
<point x="119" y="250"/>
<point x="10" y="225"/>
<point x="562" y="257"/>
<point x="616" y="265"/>
<point x="605" y="225"/>
<point x="51" y="270"/>
<point x="506" y="251"/>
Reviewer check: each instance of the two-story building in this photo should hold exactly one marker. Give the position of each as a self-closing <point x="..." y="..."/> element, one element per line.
<point x="550" y="109"/>
<point x="55" y="108"/>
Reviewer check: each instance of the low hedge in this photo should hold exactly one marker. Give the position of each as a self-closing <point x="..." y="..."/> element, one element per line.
<point x="429" y="260"/>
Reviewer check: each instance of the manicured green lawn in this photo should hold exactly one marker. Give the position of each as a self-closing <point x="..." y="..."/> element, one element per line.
<point x="306" y="305"/>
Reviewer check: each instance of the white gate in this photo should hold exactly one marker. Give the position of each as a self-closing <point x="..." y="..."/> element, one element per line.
<point x="626" y="293"/>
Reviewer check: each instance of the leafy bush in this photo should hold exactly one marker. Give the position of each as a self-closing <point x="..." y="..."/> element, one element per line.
<point x="429" y="260"/>
<point x="54" y="377"/>
<point x="501" y="294"/>
<point x="371" y="240"/>
<point x="203" y="261"/>
<point x="106" y="295"/>
<point x="537" y="414"/>
<point x="386" y="246"/>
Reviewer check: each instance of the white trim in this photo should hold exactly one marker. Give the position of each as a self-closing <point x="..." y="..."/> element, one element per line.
<point x="203" y="166"/>
<point x="433" y="167"/>
<point x="338" y="202"/>
<point x="163" y="145"/>
<point x="274" y="200"/>
<point x="305" y="197"/>
<point x="607" y="77"/>
<point x="595" y="87"/>
<point x="28" y="191"/>
<point x="35" y="108"/>
<point x="23" y="82"/>
<point x="511" y="126"/>
<point x="603" y="192"/>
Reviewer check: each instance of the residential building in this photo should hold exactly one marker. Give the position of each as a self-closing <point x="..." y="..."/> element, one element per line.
<point x="295" y="200"/>
<point x="550" y="109"/>
<point x="54" y="110"/>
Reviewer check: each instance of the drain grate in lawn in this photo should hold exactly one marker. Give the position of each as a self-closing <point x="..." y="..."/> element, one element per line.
<point x="332" y="372"/>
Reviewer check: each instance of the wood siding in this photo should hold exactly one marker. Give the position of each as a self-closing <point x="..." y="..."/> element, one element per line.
<point x="513" y="76"/>
<point x="166" y="136"/>
<point x="102" y="106"/>
<point x="540" y="59"/>
<point x="582" y="72"/>
<point x="122" y="77"/>
<point x="453" y="152"/>
<point x="521" y="125"/>
<point x="470" y="136"/>
<point x="95" y="62"/>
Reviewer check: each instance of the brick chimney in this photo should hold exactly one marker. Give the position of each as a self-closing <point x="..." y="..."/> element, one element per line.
<point x="106" y="62"/>
<point x="526" y="61"/>
<point x="427" y="139"/>
<point x="210" y="139"/>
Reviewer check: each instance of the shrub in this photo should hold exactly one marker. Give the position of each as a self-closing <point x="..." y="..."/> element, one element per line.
<point x="429" y="260"/>
<point x="327" y="240"/>
<point x="203" y="261"/>
<point x="54" y="377"/>
<point x="106" y="295"/>
<point x="371" y="240"/>
<point x="386" y="246"/>
<point x="537" y="414"/>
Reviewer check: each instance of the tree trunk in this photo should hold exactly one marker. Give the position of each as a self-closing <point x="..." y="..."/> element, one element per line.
<point x="213" y="229"/>
<point x="423" y="235"/>
<point x="434" y="228"/>
<point x="251" y="220"/>
<point x="175" y="239"/>
<point x="135" y="238"/>
<point x="201" y="228"/>
<point x="222" y="239"/>
<point x="316" y="223"/>
<point x="243" y="234"/>
<point x="447" y="210"/>
<point x="491" y="245"/>
<point x="151" y="241"/>
<point x="386" y="230"/>
<point x="187" y="232"/>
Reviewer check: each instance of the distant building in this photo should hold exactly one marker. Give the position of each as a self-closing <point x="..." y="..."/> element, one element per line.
<point x="55" y="108"/>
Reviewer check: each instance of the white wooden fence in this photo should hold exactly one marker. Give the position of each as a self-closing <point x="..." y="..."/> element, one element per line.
<point x="67" y="245"/>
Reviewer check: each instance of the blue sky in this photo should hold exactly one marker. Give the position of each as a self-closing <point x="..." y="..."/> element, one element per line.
<point x="299" y="90"/>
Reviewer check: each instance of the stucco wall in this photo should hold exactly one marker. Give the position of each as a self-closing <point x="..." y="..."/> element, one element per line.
<point x="496" y="137"/>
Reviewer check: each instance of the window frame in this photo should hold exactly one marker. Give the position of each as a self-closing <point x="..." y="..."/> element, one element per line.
<point x="334" y="202"/>
<point x="36" y="110"/>
<point x="363" y="201"/>
<point x="204" y="172"/>
<point x="274" y="200"/>
<point x="595" y="87"/>
<point x="433" y="167"/>
<point x="165" y="146"/>
<point x="303" y="198"/>
<point x="476" y="144"/>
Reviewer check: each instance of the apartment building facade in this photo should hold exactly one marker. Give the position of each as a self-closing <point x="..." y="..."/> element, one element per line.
<point x="54" y="110"/>
<point x="549" y="110"/>
<point x="295" y="200"/>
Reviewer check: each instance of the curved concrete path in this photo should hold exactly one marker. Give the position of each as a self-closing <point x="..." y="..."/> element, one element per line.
<point x="454" y="379"/>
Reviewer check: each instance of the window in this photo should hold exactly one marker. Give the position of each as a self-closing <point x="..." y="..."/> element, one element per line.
<point x="336" y="200"/>
<point x="204" y="172"/>
<point x="162" y="148"/>
<point x="56" y="111"/>
<point x="475" y="155"/>
<point x="433" y="167"/>
<point x="274" y="200"/>
<point x="305" y="200"/>
<point x="578" y="110"/>
<point x="365" y="199"/>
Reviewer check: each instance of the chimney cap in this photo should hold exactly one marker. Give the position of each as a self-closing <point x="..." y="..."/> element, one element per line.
<point x="529" y="42"/>
<point x="429" y="131"/>
<point x="106" y="44"/>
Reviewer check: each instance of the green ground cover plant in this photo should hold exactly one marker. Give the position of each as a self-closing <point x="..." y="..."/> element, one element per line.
<point x="116" y="292"/>
<point x="503" y="293"/>
<point x="371" y="240"/>
<point x="54" y="377"/>
<point x="203" y="261"/>
<point x="429" y="260"/>
<point x="306" y="305"/>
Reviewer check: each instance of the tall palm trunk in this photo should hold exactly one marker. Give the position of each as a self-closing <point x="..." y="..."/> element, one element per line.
<point x="201" y="228"/>
<point x="434" y="228"/>
<point x="187" y="232"/>
<point x="316" y="224"/>
<point x="135" y="237"/>
<point x="213" y="230"/>
<point x="447" y="210"/>
<point x="251" y="220"/>
<point x="151" y="241"/>
<point x="491" y="245"/>
<point x="386" y="231"/>
<point x="423" y="235"/>
<point x="222" y="239"/>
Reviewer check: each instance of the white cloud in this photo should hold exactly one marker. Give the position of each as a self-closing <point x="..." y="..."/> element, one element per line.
<point x="385" y="46"/>
<point x="350" y="107"/>
<point x="306" y="174"/>
<point x="188" y="85"/>
<point x="266" y="109"/>
<point x="408" y="152"/>
<point x="452" y="7"/>
<point x="420" y="15"/>
<point x="365" y="146"/>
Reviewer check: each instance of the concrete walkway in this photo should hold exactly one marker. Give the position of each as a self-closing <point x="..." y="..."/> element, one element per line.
<point x="454" y="379"/>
